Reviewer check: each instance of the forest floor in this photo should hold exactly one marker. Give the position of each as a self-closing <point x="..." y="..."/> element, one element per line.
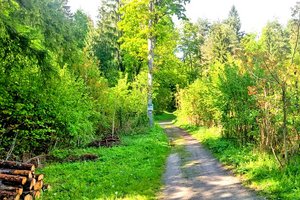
<point x="193" y="173"/>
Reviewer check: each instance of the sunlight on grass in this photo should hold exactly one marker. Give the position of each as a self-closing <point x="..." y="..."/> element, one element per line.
<point x="128" y="197"/>
<point x="132" y="170"/>
<point x="165" y="116"/>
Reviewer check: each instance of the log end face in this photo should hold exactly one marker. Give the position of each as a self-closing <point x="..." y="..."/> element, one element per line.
<point x="17" y="197"/>
<point x="24" y="180"/>
<point x="28" y="197"/>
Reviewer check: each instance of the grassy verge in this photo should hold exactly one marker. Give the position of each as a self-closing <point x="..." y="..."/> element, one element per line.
<point x="165" y="116"/>
<point x="132" y="170"/>
<point x="259" y="171"/>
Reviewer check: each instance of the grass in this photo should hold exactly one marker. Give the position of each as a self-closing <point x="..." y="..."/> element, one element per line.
<point x="165" y="116"/>
<point x="258" y="170"/>
<point x="132" y="170"/>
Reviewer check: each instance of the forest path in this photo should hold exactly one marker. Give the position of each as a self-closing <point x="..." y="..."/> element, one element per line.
<point x="193" y="173"/>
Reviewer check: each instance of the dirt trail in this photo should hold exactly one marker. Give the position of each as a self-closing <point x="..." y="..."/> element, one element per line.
<point x="196" y="174"/>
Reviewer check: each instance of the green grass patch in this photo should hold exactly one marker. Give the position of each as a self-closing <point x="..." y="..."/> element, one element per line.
<point x="259" y="171"/>
<point x="132" y="170"/>
<point x="165" y="116"/>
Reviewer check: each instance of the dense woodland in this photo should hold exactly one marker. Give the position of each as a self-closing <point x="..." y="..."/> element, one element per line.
<point x="65" y="80"/>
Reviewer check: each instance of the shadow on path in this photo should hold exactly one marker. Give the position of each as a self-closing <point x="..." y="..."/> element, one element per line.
<point x="198" y="175"/>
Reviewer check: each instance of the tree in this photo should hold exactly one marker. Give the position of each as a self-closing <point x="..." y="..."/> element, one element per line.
<point x="139" y="26"/>
<point x="234" y="22"/>
<point x="106" y="45"/>
<point x="170" y="8"/>
<point x="44" y="99"/>
<point x="150" y="63"/>
<point x="133" y="41"/>
<point x="220" y="44"/>
<point x="224" y="39"/>
<point x="192" y="38"/>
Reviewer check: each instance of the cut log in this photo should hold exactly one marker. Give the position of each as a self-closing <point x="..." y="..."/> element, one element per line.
<point x="18" y="190"/>
<point x="9" y="195"/>
<point x="8" y="183"/>
<point x="29" y="184"/>
<point x="37" y="194"/>
<point x="16" y="165"/>
<point x="26" y="173"/>
<point x="39" y="177"/>
<point x="12" y="178"/>
<point x="38" y="185"/>
<point x="28" y="197"/>
<point x="18" y="181"/>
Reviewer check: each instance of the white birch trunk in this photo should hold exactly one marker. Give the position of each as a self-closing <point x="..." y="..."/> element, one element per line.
<point x="150" y="64"/>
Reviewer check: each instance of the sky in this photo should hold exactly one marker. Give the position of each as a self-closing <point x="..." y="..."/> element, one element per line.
<point x="254" y="14"/>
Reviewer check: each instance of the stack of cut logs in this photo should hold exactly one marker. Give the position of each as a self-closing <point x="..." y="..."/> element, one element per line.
<point x="18" y="181"/>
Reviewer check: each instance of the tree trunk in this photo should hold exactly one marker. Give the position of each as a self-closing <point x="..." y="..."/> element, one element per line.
<point x="113" y="123"/>
<point x="150" y="63"/>
<point x="284" y="122"/>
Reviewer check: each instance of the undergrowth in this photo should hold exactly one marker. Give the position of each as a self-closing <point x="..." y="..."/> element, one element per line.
<point x="132" y="170"/>
<point x="259" y="171"/>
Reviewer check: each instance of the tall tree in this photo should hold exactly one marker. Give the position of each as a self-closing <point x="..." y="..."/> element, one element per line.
<point x="234" y="22"/>
<point x="157" y="10"/>
<point x="220" y="44"/>
<point x="106" y="45"/>
<point x="150" y="63"/>
<point x="192" y="38"/>
<point x="143" y="22"/>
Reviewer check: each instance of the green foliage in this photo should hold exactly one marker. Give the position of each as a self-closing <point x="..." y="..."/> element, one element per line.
<point x="192" y="37"/>
<point x="237" y="105"/>
<point x="128" y="103"/>
<point x="196" y="104"/>
<point x="115" y="175"/>
<point x="234" y="22"/>
<point x="133" y="24"/>
<point x="59" y="113"/>
<point x="249" y="84"/>
<point x="167" y="71"/>
<point x="221" y="43"/>
<point x="106" y="46"/>
<point x="52" y="93"/>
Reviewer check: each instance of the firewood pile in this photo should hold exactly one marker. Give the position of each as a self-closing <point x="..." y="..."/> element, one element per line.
<point x="19" y="181"/>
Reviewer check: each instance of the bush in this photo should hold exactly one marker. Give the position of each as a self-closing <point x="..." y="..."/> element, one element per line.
<point x="36" y="113"/>
<point x="196" y="104"/>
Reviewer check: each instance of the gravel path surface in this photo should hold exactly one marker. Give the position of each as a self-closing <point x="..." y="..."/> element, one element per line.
<point x="196" y="174"/>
